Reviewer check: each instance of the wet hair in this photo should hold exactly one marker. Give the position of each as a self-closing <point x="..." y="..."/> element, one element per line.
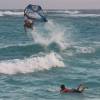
<point x="62" y="86"/>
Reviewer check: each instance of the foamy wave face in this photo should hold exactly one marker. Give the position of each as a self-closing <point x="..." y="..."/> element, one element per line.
<point x="31" y="64"/>
<point x="11" y="13"/>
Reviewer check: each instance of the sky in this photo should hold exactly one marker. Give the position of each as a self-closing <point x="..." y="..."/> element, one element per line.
<point x="51" y="4"/>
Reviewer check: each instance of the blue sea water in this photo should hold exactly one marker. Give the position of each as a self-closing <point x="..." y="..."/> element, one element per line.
<point x="65" y="50"/>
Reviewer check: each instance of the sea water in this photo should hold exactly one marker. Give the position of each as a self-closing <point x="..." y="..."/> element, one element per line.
<point x="65" y="50"/>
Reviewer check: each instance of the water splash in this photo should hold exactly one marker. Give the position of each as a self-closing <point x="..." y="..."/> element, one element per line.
<point x="55" y="34"/>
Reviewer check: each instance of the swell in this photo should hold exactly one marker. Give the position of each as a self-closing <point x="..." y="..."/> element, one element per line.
<point x="11" y="52"/>
<point x="21" y="51"/>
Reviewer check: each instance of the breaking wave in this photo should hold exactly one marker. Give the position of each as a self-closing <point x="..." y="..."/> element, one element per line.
<point x="32" y="64"/>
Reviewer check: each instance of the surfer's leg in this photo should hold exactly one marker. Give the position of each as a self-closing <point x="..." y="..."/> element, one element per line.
<point x="81" y="88"/>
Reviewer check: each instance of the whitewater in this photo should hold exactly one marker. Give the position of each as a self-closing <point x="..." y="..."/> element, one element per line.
<point x="65" y="50"/>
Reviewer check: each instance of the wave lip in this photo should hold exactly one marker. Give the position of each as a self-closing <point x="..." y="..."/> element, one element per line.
<point x="31" y="64"/>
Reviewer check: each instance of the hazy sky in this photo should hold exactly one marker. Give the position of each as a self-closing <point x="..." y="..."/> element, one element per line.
<point x="51" y="4"/>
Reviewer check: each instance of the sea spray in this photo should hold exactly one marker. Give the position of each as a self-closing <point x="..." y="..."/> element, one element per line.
<point x="56" y="34"/>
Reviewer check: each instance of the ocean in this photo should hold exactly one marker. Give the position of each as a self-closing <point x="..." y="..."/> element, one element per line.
<point x="65" y="50"/>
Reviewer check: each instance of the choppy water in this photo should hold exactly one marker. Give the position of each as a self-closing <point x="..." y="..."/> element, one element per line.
<point x="66" y="50"/>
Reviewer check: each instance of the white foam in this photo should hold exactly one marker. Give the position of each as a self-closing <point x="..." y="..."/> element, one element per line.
<point x="93" y="99"/>
<point x="65" y="11"/>
<point x="11" y="13"/>
<point x="85" y="50"/>
<point x="84" y="15"/>
<point x="27" y="65"/>
<point x="72" y="12"/>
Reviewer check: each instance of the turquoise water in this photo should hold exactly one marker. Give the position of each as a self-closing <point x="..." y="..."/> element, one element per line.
<point x="65" y="50"/>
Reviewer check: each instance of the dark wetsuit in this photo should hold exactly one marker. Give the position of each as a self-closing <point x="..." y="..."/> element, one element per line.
<point x="76" y="91"/>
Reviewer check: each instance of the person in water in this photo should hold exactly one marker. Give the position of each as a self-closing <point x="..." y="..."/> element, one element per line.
<point x="80" y="89"/>
<point x="28" y="23"/>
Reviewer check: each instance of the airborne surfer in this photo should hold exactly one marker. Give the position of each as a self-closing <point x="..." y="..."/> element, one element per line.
<point x="80" y="89"/>
<point x="30" y="15"/>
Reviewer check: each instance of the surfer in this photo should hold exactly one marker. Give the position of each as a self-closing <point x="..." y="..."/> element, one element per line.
<point x="79" y="89"/>
<point x="30" y="15"/>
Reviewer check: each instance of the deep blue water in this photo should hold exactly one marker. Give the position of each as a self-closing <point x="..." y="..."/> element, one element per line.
<point x="65" y="50"/>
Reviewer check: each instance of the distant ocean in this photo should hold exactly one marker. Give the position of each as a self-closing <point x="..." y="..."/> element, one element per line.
<point x="65" y="50"/>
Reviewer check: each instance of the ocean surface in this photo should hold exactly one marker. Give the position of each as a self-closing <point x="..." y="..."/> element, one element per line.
<point x="65" y="50"/>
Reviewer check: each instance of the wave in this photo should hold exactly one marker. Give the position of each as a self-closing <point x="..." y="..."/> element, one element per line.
<point x="11" y="13"/>
<point x="67" y="13"/>
<point x="74" y="13"/>
<point x="20" y="13"/>
<point x="84" y="15"/>
<point x="63" y="11"/>
<point x="32" y="64"/>
<point x="21" y="50"/>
